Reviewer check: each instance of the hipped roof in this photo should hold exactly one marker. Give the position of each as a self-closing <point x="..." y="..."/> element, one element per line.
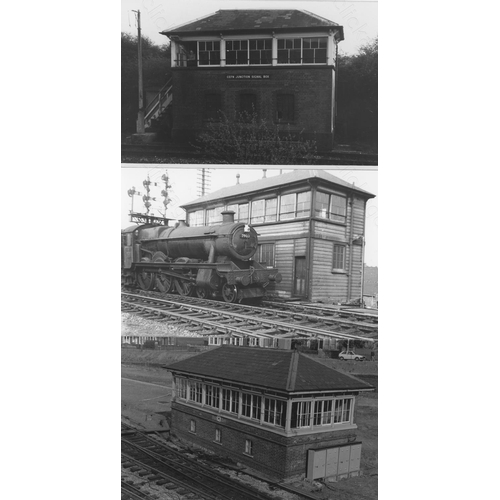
<point x="273" y="369"/>
<point x="254" y="20"/>
<point x="278" y="180"/>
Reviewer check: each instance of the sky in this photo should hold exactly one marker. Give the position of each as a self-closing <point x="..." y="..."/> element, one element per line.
<point x="359" y="18"/>
<point x="184" y="179"/>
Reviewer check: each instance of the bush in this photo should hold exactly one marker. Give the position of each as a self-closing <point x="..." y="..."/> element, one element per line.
<point x="249" y="140"/>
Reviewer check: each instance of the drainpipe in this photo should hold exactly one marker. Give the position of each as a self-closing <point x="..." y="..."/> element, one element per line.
<point x="363" y="259"/>
<point x="351" y="252"/>
<point x="309" y="241"/>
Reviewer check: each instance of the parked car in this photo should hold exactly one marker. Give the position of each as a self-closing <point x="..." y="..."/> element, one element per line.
<point x="351" y="355"/>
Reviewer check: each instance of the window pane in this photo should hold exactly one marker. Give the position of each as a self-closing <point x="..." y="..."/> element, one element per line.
<point x="338" y="256"/>
<point x="257" y="212"/>
<point x="267" y="254"/>
<point x="271" y="208"/>
<point x="304" y="204"/>
<point x="338" y="208"/>
<point x="243" y="213"/>
<point x="321" y="205"/>
<point x="287" y="208"/>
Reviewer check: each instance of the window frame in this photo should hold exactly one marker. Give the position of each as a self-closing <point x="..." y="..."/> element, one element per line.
<point x="217" y="216"/>
<point x="218" y="436"/>
<point x="272" y="247"/>
<point x="209" y="52"/>
<point x="249" y="42"/>
<point x="336" y="246"/>
<point x="248" y="447"/>
<point x="340" y="410"/>
<point x="329" y="215"/>
<point x="296" y="202"/>
<point x="289" y="49"/>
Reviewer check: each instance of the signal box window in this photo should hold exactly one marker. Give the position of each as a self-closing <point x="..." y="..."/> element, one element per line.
<point x="289" y="50"/>
<point x="331" y="206"/>
<point x="285" y="108"/>
<point x="237" y="52"/>
<point x="248" y="447"/>
<point x="257" y="211"/>
<point x="213" y="107"/>
<point x="196" y="218"/>
<point x="266" y="254"/>
<point x="218" y="436"/>
<point x="209" y="53"/>
<point x="338" y="258"/>
<point x="314" y="50"/>
<point x="261" y="51"/>
<point x="304" y="204"/>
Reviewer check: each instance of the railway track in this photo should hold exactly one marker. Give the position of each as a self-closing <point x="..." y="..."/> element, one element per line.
<point x="172" y="471"/>
<point x="364" y="317"/>
<point x="212" y="317"/>
<point x="155" y="152"/>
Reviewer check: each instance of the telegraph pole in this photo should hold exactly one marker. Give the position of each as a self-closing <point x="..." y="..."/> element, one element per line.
<point x="140" y="113"/>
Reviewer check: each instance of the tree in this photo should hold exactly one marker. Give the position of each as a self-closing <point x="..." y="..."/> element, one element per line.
<point x="155" y="68"/>
<point x="357" y="96"/>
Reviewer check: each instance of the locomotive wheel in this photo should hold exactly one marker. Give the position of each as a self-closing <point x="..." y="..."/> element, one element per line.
<point x="201" y="292"/>
<point x="229" y="292"/>
<point x="146" y="280"/>
<point x="184" y="287"/>
<point x="163" y="282"/>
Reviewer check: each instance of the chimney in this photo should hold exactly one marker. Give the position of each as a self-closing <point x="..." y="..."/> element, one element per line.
<point x="264" y="173"/>
<point x="227" y="217"/>
<point x="181" y="223"/>
<point x="237" y="178"/>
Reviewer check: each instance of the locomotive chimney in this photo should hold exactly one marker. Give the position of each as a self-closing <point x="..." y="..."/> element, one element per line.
<point x="264" y="173"/>
<point x="181" y="223"/>
<point x="227" y="217"/>
<point x="237" y="178"/>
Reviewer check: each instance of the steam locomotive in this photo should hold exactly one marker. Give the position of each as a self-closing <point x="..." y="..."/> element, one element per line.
<point x="209" y="261"/>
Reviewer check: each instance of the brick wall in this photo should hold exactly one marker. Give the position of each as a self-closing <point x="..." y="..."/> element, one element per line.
<point x="311" y="86"/>
<point x="275" y="455"/>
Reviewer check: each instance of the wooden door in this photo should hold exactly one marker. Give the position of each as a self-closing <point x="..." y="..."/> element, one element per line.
<point x="299" y="287"/>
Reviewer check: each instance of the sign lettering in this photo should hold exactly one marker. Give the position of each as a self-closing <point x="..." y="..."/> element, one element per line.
<point x="248" y="77"/>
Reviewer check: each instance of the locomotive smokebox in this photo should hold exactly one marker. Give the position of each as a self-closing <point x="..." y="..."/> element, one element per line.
<point x="227" y="217"/>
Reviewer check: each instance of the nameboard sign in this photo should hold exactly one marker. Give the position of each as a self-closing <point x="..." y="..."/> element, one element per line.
<point x="247" y="77"/>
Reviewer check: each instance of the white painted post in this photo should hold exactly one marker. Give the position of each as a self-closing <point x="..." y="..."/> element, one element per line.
<point x="222" y="52"/>
<point x="330" y="52"/>
<point x="173" y="54"/>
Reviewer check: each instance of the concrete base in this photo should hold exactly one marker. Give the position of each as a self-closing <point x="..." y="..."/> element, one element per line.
<point x="143" y="138"/>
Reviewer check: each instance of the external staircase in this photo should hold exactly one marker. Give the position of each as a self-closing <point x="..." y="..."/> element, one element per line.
<point x="158" y="107"/>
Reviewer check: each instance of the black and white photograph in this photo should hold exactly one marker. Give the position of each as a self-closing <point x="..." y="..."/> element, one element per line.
<point x="262" y="163"/>
<point x="249" y="301"/>
<point x="291" y="83"/>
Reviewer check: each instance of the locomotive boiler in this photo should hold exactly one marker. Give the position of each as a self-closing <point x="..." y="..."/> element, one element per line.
<point x="211" y="261"/>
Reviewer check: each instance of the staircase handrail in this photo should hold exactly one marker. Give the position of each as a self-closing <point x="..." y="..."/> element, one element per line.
<point x="159" y="99"/>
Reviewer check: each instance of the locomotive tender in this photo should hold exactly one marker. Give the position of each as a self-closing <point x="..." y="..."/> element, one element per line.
<point x="211" y="261"/>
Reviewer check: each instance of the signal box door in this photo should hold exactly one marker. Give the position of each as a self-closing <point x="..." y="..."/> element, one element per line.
<point x="299" y="287"/>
